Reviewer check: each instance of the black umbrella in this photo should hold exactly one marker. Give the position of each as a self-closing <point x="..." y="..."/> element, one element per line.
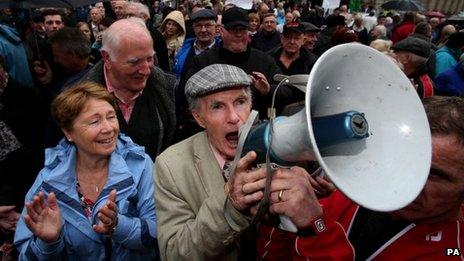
<point x="456" y="20"/>
<point x="403" y="5"/>
<point x="45" y="3"/>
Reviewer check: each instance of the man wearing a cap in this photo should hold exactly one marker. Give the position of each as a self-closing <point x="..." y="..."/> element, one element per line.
<point x="192" y="191"/>
<point x="235" y="50"/>
<point x="292" y="58"/>
<point x="413" y="54"/>
<point x="204" y="27"/>
<point x="311" y="33"/>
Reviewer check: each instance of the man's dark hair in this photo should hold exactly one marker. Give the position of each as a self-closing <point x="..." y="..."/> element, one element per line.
<point x="446" y="116"/>
<point x="266" y="15"/>
<point x="409" y="17"/>
<point x="47" y="12"/>
<point x="423" y="28"/>
<point x="38" y="18"/>
<point x="71" y="40"/>
<point x="456" y="40"/>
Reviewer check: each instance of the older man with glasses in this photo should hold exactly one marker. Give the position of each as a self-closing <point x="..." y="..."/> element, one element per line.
<point x="204" y="27"/>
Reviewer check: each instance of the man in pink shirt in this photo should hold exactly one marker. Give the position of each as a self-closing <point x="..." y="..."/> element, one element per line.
<point x="145" y="95"/>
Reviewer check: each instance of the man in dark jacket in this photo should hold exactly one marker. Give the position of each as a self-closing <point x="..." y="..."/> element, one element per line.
<point x="204" y="27"/>
<point x="267" y="38"/>
<point x="236" y="51"/>
<point x="292" y="58"/>
<point x="145" y="95"/>
<point x="333" y="23"/>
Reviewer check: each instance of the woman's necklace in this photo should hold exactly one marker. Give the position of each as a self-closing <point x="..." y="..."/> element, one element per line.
<point x="88" y="183"/>
<point x="97" y="186"/>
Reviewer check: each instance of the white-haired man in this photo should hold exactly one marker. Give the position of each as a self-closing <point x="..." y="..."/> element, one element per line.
<point x="191" y="194"/>
<point x="95" y="17"/>
<point x="144" y="93"/>
<point x="159" y="43"/>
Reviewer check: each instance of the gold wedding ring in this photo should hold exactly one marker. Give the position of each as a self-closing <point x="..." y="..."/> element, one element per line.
<point x="281" y="193"/>
<point x="242" y="189"/>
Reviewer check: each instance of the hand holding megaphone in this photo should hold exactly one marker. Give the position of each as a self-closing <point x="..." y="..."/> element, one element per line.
<point x="293" y="198"/>
<point x="245" y="187"/>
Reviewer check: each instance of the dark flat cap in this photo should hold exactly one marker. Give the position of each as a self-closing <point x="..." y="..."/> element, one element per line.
<point x="413" y="45"/>
<point x="309" y="27"/>
<point x="334" y="20"/>
<point x="206" y="14"/>
<point x="293" y="27"/>
<point x="234" y="17"/>
<point x="214" y="78"/>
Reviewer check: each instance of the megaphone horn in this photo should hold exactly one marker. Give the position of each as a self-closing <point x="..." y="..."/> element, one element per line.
<point x="363" y="122"/>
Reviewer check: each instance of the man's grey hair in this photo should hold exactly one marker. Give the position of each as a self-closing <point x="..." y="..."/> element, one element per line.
<point x="141" y="8"/>
<point x="112" y="36"/>
<point x="382" y="29"/>
<point x="194" y="102"/>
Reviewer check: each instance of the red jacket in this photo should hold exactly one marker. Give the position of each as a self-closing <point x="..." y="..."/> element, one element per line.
<point x="415" y="242"/>
<point x="402" y="31"/>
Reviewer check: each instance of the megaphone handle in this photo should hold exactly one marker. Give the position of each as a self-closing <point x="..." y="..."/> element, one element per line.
<point x="286" y="224"/>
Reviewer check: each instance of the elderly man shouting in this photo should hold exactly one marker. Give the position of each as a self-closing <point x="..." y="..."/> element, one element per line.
<point x="191" y="192"/>
<point x="144" y="93"/>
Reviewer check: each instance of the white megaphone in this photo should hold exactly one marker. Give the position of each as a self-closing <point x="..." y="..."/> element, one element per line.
<point x="363" y="122"/>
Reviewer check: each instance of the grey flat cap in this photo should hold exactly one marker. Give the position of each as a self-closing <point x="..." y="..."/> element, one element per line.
<point x="414" y="45"/>
<point x="205" y="14"/>
<point x="214" y="78"/>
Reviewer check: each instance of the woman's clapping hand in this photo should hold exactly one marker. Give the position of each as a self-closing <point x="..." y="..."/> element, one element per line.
<point x="108" y="216"/>
<point x="44" y="218"/>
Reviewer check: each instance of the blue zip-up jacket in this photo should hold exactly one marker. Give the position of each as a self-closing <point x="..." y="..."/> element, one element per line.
<point x="179" y="62"/>
<point x="130" y="173"/>
<point x="446" y="58"/>
<point x="12" y="49"/>
<point x="451" y="82"/>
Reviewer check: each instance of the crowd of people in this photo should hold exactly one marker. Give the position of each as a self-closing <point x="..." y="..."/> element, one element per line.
<point x="119" y="122"/>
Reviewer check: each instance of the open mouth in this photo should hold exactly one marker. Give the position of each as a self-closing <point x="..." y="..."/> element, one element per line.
<point x="232" y="138"/>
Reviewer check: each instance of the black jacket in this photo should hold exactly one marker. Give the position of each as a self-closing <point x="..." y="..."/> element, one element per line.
<point x="23" y="111"/>
<point x="302" y="65"/>
<point x="265" y="42"/>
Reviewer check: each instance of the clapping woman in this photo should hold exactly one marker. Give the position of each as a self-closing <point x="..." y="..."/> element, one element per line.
<point x="93" y="200"/>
